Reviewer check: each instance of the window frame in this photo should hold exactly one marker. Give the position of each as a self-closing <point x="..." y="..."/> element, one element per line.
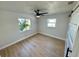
<point x="25" y="19"/>
<point x="52" y="23"/>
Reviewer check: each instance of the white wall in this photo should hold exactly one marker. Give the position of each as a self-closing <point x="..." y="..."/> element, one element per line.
<point x="9" y="30"/>
<point x="60" y="31"/>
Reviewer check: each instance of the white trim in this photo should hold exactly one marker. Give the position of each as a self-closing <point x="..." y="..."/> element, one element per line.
<point x="52" y="36"/>
<point x="17" y="41"/>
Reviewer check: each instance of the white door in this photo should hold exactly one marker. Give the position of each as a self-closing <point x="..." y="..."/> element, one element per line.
<point x="71" y="34"/>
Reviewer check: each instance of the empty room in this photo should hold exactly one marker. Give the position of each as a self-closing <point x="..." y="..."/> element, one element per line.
<point x="39" y="28"/>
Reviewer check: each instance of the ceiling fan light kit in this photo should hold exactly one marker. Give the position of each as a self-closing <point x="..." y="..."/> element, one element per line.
<point x="37" y="16"/>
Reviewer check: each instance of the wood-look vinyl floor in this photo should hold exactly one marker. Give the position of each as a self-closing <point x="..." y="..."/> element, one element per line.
<point x="35" y="46"/>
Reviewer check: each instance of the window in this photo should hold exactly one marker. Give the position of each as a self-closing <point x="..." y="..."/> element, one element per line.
<point x="51" y="23"/>
<point x="24" y="24"/>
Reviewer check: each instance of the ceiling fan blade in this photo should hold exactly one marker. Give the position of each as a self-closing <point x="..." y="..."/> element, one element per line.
<point x="35" y="11"/>
<point x="43" y="13"/>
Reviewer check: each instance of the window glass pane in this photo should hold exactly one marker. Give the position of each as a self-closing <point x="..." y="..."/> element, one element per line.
<point x="51" y="20"/>
<point x="51" y="25"/>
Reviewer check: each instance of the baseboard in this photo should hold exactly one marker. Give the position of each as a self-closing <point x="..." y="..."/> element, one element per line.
<point x="52" y="36"/>
<point x="17" y="41"/>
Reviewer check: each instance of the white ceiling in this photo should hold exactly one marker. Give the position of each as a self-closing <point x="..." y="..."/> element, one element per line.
<point x="27" y="6"/>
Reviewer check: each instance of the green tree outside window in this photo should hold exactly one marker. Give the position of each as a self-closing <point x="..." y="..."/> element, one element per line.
<point x="24" y="24"/>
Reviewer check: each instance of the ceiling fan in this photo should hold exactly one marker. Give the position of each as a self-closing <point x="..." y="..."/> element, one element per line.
<point x="38" y="13"/>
